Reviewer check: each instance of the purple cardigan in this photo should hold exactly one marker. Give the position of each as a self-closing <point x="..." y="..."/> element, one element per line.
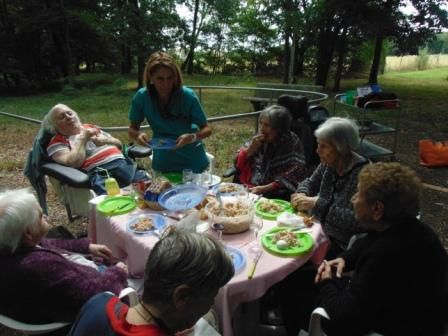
<point x="39" y="285"/>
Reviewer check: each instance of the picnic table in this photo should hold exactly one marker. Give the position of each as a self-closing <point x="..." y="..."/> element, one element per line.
<point x="134" y="249"/>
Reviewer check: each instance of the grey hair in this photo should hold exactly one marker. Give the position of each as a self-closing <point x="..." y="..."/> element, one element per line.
<point x="278" y="116"/>
<point x="185" y="258"/>
<point x="49" y="123"/>
<point x="19" y="211"/>
<point x="341" y="132"/>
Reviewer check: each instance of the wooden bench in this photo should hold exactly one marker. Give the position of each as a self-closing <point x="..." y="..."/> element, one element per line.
<point x="266" y="94"/>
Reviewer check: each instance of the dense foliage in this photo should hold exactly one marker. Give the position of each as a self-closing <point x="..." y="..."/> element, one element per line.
<point x="45" y="43"/>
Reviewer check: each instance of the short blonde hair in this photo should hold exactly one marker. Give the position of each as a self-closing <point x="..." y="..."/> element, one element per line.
<point x="158" y="60"/>
<point x="397" y="186"/>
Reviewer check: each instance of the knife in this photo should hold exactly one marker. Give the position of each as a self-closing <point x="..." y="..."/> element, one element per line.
<point x="121" y="207"/>
<point x="298" y="230"/>
<point x="252" y="270"/>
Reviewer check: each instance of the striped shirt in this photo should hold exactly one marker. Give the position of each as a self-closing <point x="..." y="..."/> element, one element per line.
<point x="95" y="155"/>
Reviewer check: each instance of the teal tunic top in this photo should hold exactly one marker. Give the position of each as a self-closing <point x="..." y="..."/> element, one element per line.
<point x="184" y="115"/>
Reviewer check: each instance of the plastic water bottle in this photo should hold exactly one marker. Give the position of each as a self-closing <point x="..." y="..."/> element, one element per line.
<point x="112" y="187"/>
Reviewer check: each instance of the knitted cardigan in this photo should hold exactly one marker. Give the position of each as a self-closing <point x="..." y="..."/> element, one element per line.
<point x="334" y="207"/>
<point x="40" y="285"/>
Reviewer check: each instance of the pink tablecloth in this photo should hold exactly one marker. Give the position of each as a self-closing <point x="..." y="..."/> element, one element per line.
<point x="271" y="269"/>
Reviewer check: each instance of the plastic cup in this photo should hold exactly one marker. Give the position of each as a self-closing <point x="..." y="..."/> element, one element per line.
<point x="206" y="179"/>
<point x="350" y="95"/>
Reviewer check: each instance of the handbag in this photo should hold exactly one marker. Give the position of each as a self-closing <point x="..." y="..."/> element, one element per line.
<point x="433" y="153"/>
<point x="378" y="100"/>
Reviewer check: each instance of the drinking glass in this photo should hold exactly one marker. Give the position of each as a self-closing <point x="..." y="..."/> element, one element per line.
<point x="256" y="226"/>
<point x="206" y="179"/>
<point x="187" y="176"/>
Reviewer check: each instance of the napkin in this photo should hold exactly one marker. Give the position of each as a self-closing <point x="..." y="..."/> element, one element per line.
<point x="290" y="220"/>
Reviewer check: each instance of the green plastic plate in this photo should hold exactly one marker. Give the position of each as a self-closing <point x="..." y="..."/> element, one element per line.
<point x="116" y="205"/>
<point x="286" y="206"/>
<point x="305" y="241"/>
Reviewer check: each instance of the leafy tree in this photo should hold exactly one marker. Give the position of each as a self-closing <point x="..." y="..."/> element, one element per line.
<point x="438" y="44"/>
<point x="252" y="37"/>
<point x="344" y="24"/>
<point x="139" y="28"/>
<point x="408" y="31"/>
<point x="206" y="14"/>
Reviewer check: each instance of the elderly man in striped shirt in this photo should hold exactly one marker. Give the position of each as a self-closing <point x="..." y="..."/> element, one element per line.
<point x="87" y="147"/>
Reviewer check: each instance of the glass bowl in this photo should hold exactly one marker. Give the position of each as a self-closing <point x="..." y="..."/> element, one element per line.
<point x="236" y="215"/>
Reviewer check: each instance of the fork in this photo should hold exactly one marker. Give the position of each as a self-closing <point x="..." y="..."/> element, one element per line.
<point x="297" y="230"/>
<point x="254" y="265"/>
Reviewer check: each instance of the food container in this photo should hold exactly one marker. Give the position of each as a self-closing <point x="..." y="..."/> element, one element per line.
<point x="152" y="200"/>
<point x="153" y="192"/>
<point x="236" y="216"/>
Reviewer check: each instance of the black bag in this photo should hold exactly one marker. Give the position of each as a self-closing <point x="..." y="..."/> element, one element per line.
<point x="376" y="96"/>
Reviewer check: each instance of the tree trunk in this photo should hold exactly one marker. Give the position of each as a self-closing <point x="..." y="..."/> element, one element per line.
<point x="66" y="43"/>
<point x="373" y="76"/>
<point x="292" y="58"/>
<point x="140" y="50"/>
<point x="326" y="43"/>
<point x="286" y="54"/>
<point x="140" y="67"/>
<point x="300" y="55"/>
<point x="340" y="62"/>
<point x="126" y="62"/>
<point x="190" y="57"/>
<point x="6" y="80"/>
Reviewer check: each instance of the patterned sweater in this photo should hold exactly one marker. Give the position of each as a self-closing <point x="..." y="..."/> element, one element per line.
<point x="281" y="162"/>
<point x="334" y="207"/>
<point x="40" y="285"/>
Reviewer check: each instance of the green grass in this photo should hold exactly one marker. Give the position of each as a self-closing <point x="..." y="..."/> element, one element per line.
<point x="105" y="99"/>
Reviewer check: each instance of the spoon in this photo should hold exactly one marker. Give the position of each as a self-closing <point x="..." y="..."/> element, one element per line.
<point x="218" y="227"/>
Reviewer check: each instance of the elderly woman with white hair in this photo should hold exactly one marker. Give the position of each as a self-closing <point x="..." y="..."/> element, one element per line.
<point x="183" y="274"/>
<point x="87" y="147"/>
<point x="328" y="191"/>
<point x="47" y="280"/>
<point x="327" y="195"/>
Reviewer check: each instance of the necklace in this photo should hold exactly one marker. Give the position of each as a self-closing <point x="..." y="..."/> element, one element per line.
<point x="144" y="317"/>
<point x="157" y="320"/>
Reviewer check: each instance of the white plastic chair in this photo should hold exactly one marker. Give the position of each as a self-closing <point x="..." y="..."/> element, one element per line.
<point x="31" y="329"/>
<point x="38" y="329"/>
<point x="315" y="328"/>
<point x="131" y="294"/>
